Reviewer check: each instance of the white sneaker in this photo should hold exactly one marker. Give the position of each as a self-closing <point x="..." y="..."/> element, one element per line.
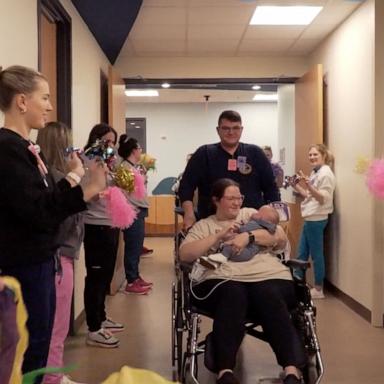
<point x="111" y="325"/>
<point x="66" y="380"/>
<point x="317" y="294"/>
<point x="218" y="258"/>
<point x="102" y="338"/>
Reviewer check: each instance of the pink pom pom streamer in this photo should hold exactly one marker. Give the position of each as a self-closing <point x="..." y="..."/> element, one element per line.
<point x="140" y="190"/>
<point x="120" y="211"/>
<point x="375" y="178"/>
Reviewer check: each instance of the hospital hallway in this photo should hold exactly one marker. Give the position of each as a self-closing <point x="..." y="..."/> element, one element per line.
<point x="352" y="349"/>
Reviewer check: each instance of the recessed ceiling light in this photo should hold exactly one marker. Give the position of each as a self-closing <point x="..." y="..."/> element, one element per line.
<point x="142" y="92"/>
<point x="271" y="97"/>
<point x="291" y="15"/>
<point x="256" y="87"/>
<point x="165" y="85"/>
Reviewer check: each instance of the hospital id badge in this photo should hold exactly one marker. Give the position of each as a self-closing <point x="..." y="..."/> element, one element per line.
<point x="232" y="164"/>
<point x="241" y="163"/>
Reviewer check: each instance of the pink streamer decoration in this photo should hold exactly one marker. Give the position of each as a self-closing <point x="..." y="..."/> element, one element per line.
<point x="121" y="212"/>
<point x="375" y="178"/>
<point x="140" y="190"/>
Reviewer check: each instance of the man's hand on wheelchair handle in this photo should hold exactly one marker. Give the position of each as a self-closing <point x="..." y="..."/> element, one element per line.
<point x="188" y="221"/>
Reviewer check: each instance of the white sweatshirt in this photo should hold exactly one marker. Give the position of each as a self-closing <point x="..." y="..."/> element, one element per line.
<point x="324" y="181"/>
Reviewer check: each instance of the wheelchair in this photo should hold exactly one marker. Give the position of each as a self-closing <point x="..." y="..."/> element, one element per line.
<point x="186" y="320"/>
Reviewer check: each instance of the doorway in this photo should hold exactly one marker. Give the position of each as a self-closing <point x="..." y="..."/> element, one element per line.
<point x="54" y="35"/>
<point x="136" y="127"/>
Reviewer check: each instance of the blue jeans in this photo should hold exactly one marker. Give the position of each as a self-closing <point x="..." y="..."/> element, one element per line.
<point x="312" y="244"/>
<point x="38" y="287"/>
<point x="133" y="246"/>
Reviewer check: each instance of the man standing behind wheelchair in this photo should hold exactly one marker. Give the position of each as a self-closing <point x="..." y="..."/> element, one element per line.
<point x="244" y="163"/>
<point x="260" y="289"/>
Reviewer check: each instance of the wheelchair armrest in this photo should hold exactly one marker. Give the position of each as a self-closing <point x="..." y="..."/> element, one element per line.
<point x="179" y="211"/>
<point x="298" y="264"/>
<point x="186" y="267"/>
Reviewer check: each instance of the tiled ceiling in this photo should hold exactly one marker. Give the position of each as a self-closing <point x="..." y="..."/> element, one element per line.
<point x="221" y="28"/>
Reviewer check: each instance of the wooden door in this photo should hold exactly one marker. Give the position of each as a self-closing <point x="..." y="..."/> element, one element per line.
<point x="116" y="101"/>
<point x="48" y="38"/>
<point x="308" y="130"/>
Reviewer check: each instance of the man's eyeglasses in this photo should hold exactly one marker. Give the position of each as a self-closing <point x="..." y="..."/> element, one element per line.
<point x="234" y="198"/>
<point x="236" y="128"/>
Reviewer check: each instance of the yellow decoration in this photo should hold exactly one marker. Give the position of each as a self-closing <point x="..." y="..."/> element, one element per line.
<point x="128" y="375"/>
<point x="362" y="164"/>
<point x="21" y="319"/>
<point x="148" y="161"/>
<point x="125" y="179"/>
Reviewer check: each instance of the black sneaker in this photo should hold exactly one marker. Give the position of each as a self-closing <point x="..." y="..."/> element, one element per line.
<point x="227" y="378"/>
<point x="292" y="379"/>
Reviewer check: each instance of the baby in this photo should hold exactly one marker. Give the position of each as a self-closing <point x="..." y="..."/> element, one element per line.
<point x="265" y="218"/>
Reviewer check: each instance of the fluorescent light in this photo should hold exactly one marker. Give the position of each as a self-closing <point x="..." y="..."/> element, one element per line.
<point x="256" y="87"/>
<point x="165" y="85"/>
<point x="141" y="92"/>
<point x="265" y="97"/>
<point x="293" y="15"/>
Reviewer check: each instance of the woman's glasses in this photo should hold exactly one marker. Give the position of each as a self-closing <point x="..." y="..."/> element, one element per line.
<point x="235" y="198"/>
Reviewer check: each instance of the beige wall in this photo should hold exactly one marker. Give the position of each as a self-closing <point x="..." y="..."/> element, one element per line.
<point x="348" y="59"/>
<point x="378" y="260"/>
<point x="15" y="48"/>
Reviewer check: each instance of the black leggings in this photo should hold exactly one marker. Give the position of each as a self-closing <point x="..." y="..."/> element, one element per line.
<point x="100" y="249"/>
<point x="267" y="302"/>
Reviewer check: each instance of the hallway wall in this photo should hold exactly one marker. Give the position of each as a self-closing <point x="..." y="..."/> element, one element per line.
<point x="26" y="51"/>
<point x="348" y="59"/>
<point x="176" y="129"/>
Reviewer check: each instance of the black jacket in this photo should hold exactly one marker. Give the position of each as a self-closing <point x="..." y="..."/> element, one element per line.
<point x="210" y="163"/>
<point x="30" y="211"/>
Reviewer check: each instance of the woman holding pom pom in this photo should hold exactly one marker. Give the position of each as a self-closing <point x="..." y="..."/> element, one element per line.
<point x="100" y="247"/>
<point x="317" y="190"/>
<point x="130" y="152"/>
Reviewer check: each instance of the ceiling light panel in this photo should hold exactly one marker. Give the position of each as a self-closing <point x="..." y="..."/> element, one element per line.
<point x="141" y="93"/>
<point x="266" y="97"/>
<point x="292" y="15"/>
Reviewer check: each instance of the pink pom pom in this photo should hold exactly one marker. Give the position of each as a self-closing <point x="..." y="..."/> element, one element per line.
<point x="140" y="190"/>
<point x="121" y="212"/>
<point x="375" y="178"/>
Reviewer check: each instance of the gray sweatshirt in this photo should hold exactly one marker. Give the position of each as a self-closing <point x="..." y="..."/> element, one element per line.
<point x="71" y="230"/>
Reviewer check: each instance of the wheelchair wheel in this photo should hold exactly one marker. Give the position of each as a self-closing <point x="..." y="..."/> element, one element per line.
<point x="177" y="330"/>
<point x="310" y="372"/>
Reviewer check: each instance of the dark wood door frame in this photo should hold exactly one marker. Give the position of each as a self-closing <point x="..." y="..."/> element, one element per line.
<point x="55" y="12"/>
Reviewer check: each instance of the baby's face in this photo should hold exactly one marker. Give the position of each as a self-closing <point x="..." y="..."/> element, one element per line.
<point x="266" y="213"/>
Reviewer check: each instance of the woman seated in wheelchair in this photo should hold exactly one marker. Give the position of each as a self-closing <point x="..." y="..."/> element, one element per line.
<point x="259" y="289"/>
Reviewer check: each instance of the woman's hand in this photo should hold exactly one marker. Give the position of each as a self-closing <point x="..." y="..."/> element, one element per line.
<point x="302" y="186"/>
<point x="311" y="190"/>
<point x="97" y="180"/>
<point x="304" y="177"/>
<point x="239" y="242"/>
<point x="75" y="164"/>
<point x="228" y="232"/>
